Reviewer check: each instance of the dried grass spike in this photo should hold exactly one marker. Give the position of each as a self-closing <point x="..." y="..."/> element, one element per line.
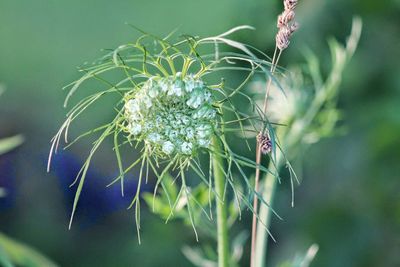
<point x="285" y="18"/>
<point x="282" y="38"/>
<point x="290" y="4"/>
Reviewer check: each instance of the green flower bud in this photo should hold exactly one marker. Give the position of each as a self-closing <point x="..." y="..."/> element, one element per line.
<point x="172" y="115"/>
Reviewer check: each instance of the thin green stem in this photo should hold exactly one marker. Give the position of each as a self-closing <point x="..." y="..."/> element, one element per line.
<point x="265" y="213"/>
<point x="222" y="220"/>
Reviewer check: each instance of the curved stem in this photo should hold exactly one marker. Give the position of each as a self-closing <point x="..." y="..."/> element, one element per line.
<point x="222" y="221"/>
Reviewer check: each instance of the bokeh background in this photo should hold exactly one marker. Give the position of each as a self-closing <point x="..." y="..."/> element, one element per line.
<point x="348" y="202"/>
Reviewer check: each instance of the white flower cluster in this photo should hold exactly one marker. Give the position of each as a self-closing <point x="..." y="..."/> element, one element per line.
<point x="172" y="115"/>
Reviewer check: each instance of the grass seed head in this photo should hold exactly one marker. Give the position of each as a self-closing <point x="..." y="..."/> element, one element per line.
<point x="286" y="24"/>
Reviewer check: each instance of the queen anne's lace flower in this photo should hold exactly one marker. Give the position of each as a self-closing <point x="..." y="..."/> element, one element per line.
<point x="173" y="115"/>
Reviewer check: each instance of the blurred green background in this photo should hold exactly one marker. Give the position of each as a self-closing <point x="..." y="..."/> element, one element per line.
<point x="348" y="202"/>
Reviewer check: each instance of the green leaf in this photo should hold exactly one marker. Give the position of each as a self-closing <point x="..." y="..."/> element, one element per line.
<point x="302" y="260"/>
<point x="4" y="259"/>
<point x="9" y="143"/>
<point x="160" y="203"/>
<point x="14" y="253"/>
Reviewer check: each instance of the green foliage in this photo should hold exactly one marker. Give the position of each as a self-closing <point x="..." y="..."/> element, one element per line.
<point x="9" y="143"/>
<point x="13" y="253"/>
<point x="162" y="204"/>
<point x="307" y="110"/>
<point x="313" y="117"/>
<point x="205" y="255"/>
<point x="6" y="145"/>
<point x="302" y="260"/>
<point x="131" y="68"/>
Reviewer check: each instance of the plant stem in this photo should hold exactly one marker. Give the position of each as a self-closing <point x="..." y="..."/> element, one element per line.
<point x="222" y="221"/>
<point x="255" y="208"/>
<point x="265" y="213"/>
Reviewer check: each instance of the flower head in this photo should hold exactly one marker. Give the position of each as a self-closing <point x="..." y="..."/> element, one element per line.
<point x="178" y="119"/>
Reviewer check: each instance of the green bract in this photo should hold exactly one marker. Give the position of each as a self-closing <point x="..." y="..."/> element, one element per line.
<point x="172" y="115"/>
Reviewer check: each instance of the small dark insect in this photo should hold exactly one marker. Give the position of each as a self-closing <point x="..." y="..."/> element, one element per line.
<point x="265" y="143"/>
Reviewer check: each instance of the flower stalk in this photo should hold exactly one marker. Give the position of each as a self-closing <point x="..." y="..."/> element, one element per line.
<point x="222" y="219"/>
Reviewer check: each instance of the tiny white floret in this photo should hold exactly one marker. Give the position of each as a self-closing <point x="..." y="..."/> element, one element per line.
<point x="133" y="106"/>
<point x="189" y="132"/>
<point x="154" y="137"/>
<point x="168" y="147"/>
<point x="204" y="142"/>
<point x="135" y="128"/>
<point x="186" y="148"/>
<point x="147" y="101"/>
